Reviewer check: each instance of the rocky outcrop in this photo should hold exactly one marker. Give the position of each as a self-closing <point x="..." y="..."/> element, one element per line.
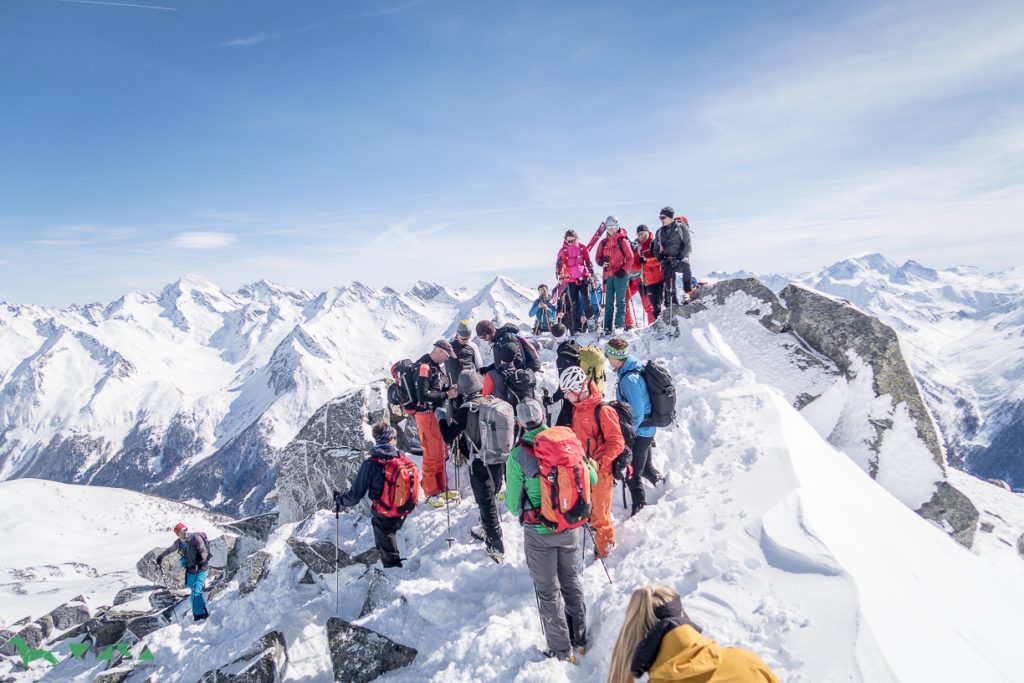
<point x="381" y="593"/>
<point x="254" y="570"/>
<point x="265" y="661"/>
<point x="71" y="614"/>
<point x="953" y="511"/>
<point x="319" y="555"/>
<point x="360" y="655"/>
<point x="258" y="527"/>
<point x="327" y="451"/>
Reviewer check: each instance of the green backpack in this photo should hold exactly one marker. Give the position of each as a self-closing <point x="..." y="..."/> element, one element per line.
<point x="592" y="363"/>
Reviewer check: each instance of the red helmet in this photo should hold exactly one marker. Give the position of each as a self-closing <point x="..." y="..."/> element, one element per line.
<point x="178" y="527"/>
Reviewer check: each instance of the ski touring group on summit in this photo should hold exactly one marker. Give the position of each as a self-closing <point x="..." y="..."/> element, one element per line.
<point x="553" y="460"/>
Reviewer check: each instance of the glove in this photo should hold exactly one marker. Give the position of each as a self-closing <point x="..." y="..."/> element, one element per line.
<point x="619" y="468"/>
<point x="643" y="259"/>
<point x="620" y="273"/>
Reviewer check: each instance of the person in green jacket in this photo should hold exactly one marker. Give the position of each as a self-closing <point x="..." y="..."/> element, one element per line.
<point x="551" y="557"/>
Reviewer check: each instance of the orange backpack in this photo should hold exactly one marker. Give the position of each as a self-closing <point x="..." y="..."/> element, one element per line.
<point x="401" y="487"/>
<point x="565" y="498"/>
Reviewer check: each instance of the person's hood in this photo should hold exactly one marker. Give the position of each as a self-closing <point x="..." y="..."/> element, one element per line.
<point x="384" y="451"/>
<point x="630" y="364"/>
<point x="531" y="434"/>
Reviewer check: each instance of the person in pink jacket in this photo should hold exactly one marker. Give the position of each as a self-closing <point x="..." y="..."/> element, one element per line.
<point x="573" y="267"/>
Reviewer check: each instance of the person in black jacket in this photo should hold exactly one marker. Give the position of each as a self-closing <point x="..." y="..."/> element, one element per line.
<point x="568" y="354"/>
<point x="672" y="247"/>
<point x="526" y="355"/>
<point x="195" y="558"/>
<point x="370" y="481"/>
<point x="433" y="389"/>
<point x="486" y="480"/>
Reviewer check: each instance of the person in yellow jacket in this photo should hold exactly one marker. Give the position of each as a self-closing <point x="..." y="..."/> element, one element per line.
<point x="658" y="639"/>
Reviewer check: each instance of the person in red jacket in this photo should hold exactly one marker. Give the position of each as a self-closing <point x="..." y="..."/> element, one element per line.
<point x="652" y="281"/>
<point x="615" y="255"/>
<point x="597" y="427"/>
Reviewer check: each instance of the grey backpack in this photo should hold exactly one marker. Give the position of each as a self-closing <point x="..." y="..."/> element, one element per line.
<point x="491" y="433"/>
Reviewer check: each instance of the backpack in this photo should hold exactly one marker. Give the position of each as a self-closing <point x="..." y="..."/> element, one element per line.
<point x="568" y="355"/>
<point x="663" y="395"/>
<point x="512" y="338"/>
<point x="203" y="547"/>
<point x="403" y="391"/>
<point x="592" y="363"/>
<point x="491" y="434"/>
<point x="401" y="486"/>
<point x="565" y="495"/>
<point x="625" y="413"/>
<point x="519" y="383"/>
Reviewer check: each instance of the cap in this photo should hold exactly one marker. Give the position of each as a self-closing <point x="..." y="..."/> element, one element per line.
<point x="463" y="330"/>
<point x="485" y="328"/>
<point x="445" y="346"/>
<point x="530" y="413"/>
<point x="469" y="382"/>
<point x="667" y="212"/>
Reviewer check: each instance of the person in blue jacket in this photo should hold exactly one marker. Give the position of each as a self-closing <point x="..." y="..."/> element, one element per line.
<point x="632" y="389"/>
<point x="543" y="310"/>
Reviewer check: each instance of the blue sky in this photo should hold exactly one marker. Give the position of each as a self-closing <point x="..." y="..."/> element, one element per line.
<point x="314" y="143"/>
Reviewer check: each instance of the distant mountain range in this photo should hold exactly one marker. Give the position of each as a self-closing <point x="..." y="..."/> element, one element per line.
<point x="191" y="392"/>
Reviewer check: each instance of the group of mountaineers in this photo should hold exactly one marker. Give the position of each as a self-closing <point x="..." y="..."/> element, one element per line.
<point x="558" y="456"/>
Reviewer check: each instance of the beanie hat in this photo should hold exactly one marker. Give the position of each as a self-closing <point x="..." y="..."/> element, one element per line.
<point x="463" y="330"/>
<point x="668" y="212"/>
<point x="617" y="354"/>
<point x="642" y="228"/>
<point x="383" y="433"/>
<point x="530" y="413"/>
<point x="485" y="328"/>
<point x="469" y="382"/>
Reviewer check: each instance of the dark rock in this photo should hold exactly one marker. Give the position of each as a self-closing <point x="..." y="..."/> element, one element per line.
<point x="258" y="527"/>
<point x="319" y="555"/>
<point x="105" y="631"/>
<point x="118" y="675"/>
<point x="32" y="634"/>
<point x="381" y="593"/>
<point x="169" y="573"/>
<point x="141" y="627"/>
<point x="986" y="527"/>
<point x="134" y="592"/>
<point x="243" y="548"/>
<point x="162" y="599"/>
<point x="1020" y="545"/>
<point x="254" y="570"/>
<point x="775" y="320"/>
<point x="954" y="511"/>
<point x="327" y="452"/>
<point x="265" y="661"/>
<point x="360" y="655"/>
<point x="307" y="578"/>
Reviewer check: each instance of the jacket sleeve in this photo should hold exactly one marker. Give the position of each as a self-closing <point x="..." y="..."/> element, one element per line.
<point x="628" y="254"/>
<point x="426" y="394"/>
<point x="634" y="392"/>
<point x="173" y="547"/>
<point x="531" y="360"/>
<point x="514" y="482"/>
<point x="612" y="443"/>
<point x="585" y="253"/>
<point x="600" y="250"/>
<point x="360" y="486"/>
<point x="488" y="385"/>
<point x="684" y="234"/>
<point x="535" y="309"/>
<point x="656" y="245"/>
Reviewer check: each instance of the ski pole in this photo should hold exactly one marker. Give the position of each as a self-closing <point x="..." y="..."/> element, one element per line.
<point x="337" y="542"/>
<point x="624" y="507"/>
<point x="540" y="615"/>
<point x="447" y="510"/>
<point x="594" y="538"/>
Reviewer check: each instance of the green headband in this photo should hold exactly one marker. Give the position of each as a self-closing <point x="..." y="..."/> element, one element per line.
<point x="617" y="354"/>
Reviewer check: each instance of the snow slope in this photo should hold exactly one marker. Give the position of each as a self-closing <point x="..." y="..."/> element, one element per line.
<point x="777" y="541"/>
<point x="178" y="391"/>
<point x="62" y="540"/>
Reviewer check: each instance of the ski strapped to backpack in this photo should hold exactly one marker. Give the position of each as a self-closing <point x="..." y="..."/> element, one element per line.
<point x="565" y="495"/>
<point x="662" y="392"/>
<point x="491" y="434"/>
<point x="401" y="490"/>
<point x="403" y="392"/>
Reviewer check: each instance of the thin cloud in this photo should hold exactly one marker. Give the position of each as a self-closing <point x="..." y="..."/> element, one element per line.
<point x="120" y="4"/>
<point x="249" y="41"/>
<point x="203" y="240"/>
<point x="57" y="243"/>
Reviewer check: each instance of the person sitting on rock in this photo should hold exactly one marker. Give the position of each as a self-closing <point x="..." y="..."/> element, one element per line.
<point x="194" y="550"/>
<point x="394" y="496"/>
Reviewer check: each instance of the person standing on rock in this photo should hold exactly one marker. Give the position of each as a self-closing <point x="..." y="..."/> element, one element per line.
<point x="433" y="389"/>
<point x="615" y="255"/>
<point x="391" y="481"/>
<point x="194" y="550"/>
<point x="672" y="247"/>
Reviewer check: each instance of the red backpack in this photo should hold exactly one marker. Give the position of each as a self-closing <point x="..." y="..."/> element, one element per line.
<point x="565" y="498"/>
<point x="401" y="486"/>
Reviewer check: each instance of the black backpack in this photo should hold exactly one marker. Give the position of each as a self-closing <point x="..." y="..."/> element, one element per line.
<point x="568" y="355"/>
<point x="403" y="391"/>
<point x="520" y="383"/>
<point x="625" y="413"/>
<point x="662" y="393"/>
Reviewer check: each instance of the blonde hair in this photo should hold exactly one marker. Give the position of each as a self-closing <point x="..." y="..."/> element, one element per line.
<point x="639" y="620"/>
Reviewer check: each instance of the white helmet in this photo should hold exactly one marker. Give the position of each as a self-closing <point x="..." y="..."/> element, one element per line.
<point x="611" y="222"/>
<point x="572" y="379"/>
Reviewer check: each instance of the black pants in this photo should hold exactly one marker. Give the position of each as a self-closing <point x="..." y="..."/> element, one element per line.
<point x="384" y="530"/>
<point x="578" y="291"/>
<point x="641" y="460"/>
<point x="656" y="295"/>
<point x="486" y="482"/>
<point x="671" y="269"/>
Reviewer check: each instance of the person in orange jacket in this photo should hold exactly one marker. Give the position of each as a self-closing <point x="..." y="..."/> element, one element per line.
<point x="598" y="429"/>
<point x="658" y="639"/>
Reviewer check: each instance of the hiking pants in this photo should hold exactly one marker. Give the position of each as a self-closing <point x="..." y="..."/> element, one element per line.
<point x="486" y="481"/>
<point x="601" y="515"/>
<point x="655" y="297"/>
<point x="671" y="269"/>
<point x="641" y="458"/>
<point x="384" y="530"/>
<point x="615" y="301"/>
<point x="556" y="581"/>
<point x="434" y="450"/>
<point x="645" y="301"/>
<point x="579" y="296"/>
<point x="197" y="581"/>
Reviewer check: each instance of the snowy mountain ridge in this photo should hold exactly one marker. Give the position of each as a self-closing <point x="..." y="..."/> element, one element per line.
<point x="166" y="392"/>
